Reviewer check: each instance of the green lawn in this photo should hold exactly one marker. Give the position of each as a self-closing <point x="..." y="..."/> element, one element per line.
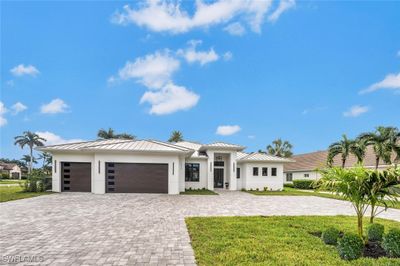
<point x="11" y="181"/>
<point x="295" y="192"/>
<point x="15" y="193"/>
<point x="274" y="240"/>
<point x="198" y="192"/>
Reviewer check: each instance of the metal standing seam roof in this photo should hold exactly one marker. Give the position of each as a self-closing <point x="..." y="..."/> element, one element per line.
<point x="222" y="146"/>
<point x="193" y="146"/>
<point x="263" y="157"/>
<point x="118" y="145"/>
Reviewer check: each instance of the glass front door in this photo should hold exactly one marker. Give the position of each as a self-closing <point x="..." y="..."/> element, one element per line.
<point x="218" y="177"/>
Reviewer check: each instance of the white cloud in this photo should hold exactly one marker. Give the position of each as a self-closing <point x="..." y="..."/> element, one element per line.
<point x="153" y="70"/>
<point x="228" y="130"/>
<point x="172" y="18"/>
<point x="192" y="55"/>
<point x="3" y="110"/>
<point x="283" y="6"/>
<point x="53" y="139"/>
<point x="227" y="56"/>
<point x="54" y="107"/>
<point x="170" y="99"/>
<point x="356" y="110"/>
<point x="22" y="70"/>
<point x="390" y="82"/>
<point x="235" y="28"/>
<point x="18" y="107"/>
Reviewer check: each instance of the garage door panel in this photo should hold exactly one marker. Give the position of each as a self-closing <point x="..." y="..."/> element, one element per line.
<point x="137" y="178"/>
<point x="76" y="177"/>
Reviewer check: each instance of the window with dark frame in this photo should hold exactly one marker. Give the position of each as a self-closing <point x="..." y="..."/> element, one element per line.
<point x="219" y="163"/>
<point x="237" y="172"/>
<point x="273" y="171"/>
<point x="289" y="177"/>
<point x="255" y="171"/>
<point x="264" y="171"/>
<point x="306" y="175"/>
<point x="192" y="172"/>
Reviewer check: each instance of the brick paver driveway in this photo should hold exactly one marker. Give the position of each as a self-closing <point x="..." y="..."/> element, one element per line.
<point x="119" y="229"/>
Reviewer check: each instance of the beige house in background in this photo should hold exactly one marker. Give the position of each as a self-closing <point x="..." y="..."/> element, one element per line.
<point x="11" y="169"/>
<point x="305" y="165"/>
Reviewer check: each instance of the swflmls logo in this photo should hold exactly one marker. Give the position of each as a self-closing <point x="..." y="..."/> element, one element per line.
<point x="19" y="259"/>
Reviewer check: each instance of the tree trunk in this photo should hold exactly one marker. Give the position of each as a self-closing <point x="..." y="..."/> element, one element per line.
<point x="343" y="163"/>
<point x="31" y="159"/>
<point x="360" y="225"/>
<point x="371" y="219"/>
<point x="376" y="162"/>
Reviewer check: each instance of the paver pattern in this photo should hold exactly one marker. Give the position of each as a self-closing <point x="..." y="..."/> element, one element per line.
<point x="132" y="229"/>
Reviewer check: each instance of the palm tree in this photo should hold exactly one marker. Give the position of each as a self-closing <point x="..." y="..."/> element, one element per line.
<point x="28" y="159"/>
<point x="176" y="136"/>
<point x="384" y="141"/>
<point x="358" y="149"/>
<point x="110" y="134"/>
<point x="343" y="147"/>
<point x="280" y="148"/>
<point x="46" y="157"/>
<point x="31" y="140"/>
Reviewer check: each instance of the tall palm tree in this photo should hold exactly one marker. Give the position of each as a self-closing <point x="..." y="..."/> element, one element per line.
<point x="343" y="147"/>
<point x="176" y="136"/>
<point x="31" y="140"/>
<point x="358" y="149"/>
<point x="110" y="134"/>
<point x="280" y="148"/>
<point x="384" y="141"/>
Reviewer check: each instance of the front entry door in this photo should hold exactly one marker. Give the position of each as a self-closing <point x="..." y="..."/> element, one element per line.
<point x="218" y="177"/>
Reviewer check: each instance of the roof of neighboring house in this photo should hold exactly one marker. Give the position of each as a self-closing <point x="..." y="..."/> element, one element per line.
<point x="118" y="145"/>
<point x="313" y="160"/>
<point x="263" y="157"/>
<point x="7" y="166"/>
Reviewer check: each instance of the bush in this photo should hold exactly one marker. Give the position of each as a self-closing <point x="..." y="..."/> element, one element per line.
<point x="5" y="176"/>
<point x="36" y="182"/>
<point x="391" y="243"/>
<point x="375" y="232"/>
<point x="288" y="185"/>
<point x="330" y="236"/>
<point x="265" y="188"/>
<point x="350" y="247"/>
<point x="303" y="184"/>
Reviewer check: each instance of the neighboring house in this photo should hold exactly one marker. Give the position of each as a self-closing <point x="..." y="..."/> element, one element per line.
<point x="305" y="165"/>
<point x="150" y="166"/>
<point x="11" y="169"/>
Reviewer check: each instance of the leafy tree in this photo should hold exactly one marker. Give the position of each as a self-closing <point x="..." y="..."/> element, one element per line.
<point x="345" y="147"/>
<point x="280" y="148"/>
<point x="110" y="134"/>
<point x="31" y="140"/>
<point x="176" y="136"/>
<point x="46" y="160"/>
<point x="384" y="141"/>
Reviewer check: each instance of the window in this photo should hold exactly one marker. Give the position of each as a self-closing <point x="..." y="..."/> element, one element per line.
<point x="192" y="172"/>
<point x="237" y="172"/>
<point x="273" y="171"/>
<point x="306" y="175"/>
<point x="219" y="163"/>
<point x="264" y="171"/>
<point x="289" y="177"/>
<point x="255" y="171"/>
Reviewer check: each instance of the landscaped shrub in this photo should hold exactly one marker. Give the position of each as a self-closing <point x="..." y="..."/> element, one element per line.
<point x="375" y="232"/>
<point x="5" y="176"/>
<point x="303" y="184"/>
<point x="265" y="188"/>
<point x="36" y="182"/>
<point x="288" y="185"/>
<point x="330" y="236"/>
<point x="391" y="243"/>
<point x="350" y="247"/>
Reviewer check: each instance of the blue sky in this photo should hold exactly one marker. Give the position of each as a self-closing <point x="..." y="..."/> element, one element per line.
<point x="303" y="71"/>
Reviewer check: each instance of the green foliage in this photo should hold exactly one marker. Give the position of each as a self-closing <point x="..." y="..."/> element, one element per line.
<point x="391" y="243"/>
<point x="110" y="134"/>
<point x="200" y="191"/>
<point x="280" y="148"/>
<point x="288" y="185"/>
<point x="265" y="189"/>
<point x="303" y="184"/>
<point x="5" y="176"/>
<point x="330" y="236"/>
<point x="375" y="232"/>
<point x="37" y="181"/>
<point x="176" y="136"/>
<point x="350" y="247"/>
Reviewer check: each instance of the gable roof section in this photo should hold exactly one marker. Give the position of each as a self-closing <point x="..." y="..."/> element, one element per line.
<point x="193" y="146"/>
<point x="263" y="157"/>
<point x="118" y="145"/>
<point x="7" y="166"/>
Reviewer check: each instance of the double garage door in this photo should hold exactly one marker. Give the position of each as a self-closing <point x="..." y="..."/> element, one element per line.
<point x="120" y="177"/>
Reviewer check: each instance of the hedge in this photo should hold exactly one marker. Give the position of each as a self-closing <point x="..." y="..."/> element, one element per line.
<point x="303" y="183"/>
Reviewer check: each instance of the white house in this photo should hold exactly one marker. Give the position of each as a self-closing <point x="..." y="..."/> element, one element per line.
<point x="150" y="166"/>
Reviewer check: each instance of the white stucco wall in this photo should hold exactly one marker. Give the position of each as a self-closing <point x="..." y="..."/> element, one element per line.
<point x="98" y="175"/>
<point x="313" y="175"/>
<point x="253" y="182"/>
<point x="203" y="175"/>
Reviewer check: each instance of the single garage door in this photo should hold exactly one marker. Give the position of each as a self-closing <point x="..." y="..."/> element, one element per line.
<point x="136" y="178"/>
<point x="75" y="177"/>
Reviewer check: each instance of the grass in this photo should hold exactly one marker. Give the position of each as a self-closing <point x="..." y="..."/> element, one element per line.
<point x="11" y="181"/>
<point x="198" y="192"/>
<point x="15" y="193"/>
<point x="274" y="240"/>
<point x="287" y="191"/>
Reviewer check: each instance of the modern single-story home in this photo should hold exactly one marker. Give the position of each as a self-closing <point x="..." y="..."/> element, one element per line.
<point x="12" y="170"/>
<point x="151" y="166"/>
<point x="305" y="165"/>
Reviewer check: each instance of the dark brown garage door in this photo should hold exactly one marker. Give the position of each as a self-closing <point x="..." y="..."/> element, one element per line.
<point x="136" y="178"/>
<point x="76" y="177"/>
